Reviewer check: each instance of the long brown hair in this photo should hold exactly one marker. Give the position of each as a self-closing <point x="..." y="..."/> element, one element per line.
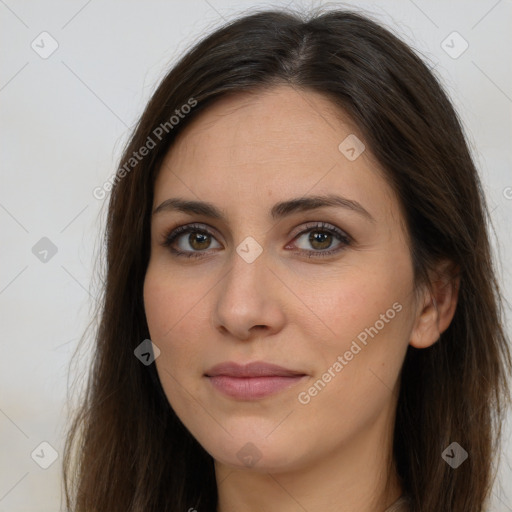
<point x="126" y="449"/>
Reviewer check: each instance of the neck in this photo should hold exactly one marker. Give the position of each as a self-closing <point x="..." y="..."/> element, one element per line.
<point x="357" y="474"/>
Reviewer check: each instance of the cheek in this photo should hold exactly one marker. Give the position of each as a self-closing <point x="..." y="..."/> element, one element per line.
<point x="365" y="313"/>
<point x="169" y="304"/>
<point x="172" y="324"/>
<point x="178" y="311"/>
<point x="357" y="366"/>
<point x="347" y="304"/>
<point x="159" y="306"/>
<point x="173" y="328"/>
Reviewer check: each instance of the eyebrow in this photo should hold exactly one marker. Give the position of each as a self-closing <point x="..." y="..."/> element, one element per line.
<point x="278" y="211"/>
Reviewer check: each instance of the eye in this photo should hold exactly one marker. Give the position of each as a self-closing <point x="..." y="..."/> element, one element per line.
<point x="198" y="239"/>
<point x="321" y="237"/>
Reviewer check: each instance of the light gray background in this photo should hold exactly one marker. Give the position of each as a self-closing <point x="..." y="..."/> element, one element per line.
<point x="63" y="122"/>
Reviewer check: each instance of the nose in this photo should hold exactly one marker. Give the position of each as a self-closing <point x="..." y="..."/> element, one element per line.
<point x="249" y="299"/>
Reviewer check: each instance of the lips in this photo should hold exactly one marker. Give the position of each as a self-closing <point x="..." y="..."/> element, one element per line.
<point x="253" y="380"/>
<point x="256" y="369"/>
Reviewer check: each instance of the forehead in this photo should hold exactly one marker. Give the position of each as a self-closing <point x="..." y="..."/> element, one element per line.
<point x="253" y="128"/>
<point x="279" y="143"/>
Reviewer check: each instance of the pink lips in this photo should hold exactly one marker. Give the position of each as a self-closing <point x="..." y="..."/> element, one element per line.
<point x="253" y="380"/>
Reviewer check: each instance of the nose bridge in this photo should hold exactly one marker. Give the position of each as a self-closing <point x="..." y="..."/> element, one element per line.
<point x="245" y="298"/>
<point x="248" y="259"/>
<point x="248" y="266"/>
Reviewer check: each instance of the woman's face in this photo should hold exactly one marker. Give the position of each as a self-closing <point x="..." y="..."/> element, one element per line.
<point x="325" y="292"/>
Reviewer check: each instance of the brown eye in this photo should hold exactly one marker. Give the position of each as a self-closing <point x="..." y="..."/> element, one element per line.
<point x="321" y="237"/>
<point x="199" y="240"/>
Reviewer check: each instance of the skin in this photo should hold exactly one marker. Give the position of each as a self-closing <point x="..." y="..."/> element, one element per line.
<point x="243" y="154"/>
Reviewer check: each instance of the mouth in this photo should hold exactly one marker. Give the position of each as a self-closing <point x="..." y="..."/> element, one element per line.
<point x="252" y="381"/>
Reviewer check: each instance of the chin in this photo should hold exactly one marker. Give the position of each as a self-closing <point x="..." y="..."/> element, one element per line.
<point x="257" y="454"/>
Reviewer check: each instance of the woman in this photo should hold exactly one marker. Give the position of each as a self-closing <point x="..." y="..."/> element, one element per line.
<point x="300" y="309"/>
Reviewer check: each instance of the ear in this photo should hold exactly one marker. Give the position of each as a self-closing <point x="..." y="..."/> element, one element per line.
<point x="437" y="308"/>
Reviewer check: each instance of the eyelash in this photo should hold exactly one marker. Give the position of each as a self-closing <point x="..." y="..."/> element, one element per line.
<point x="174" y="233"/>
